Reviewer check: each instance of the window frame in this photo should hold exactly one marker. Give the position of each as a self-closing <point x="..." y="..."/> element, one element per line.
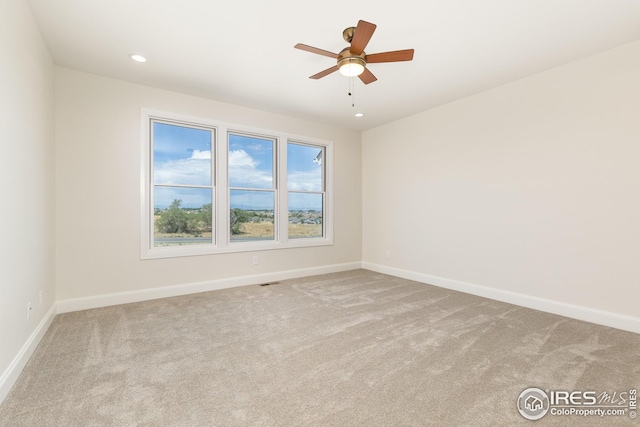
<point x="221" y="233"/>
<point x="274" y="188"/>
<point x="323" y="191"/>
<point x="153" y="184"/>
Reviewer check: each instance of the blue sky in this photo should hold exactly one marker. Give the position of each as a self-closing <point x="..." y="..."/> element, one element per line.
<point x="304" y="174"/>
<point x="182" y="155"/>
<point x="251" y="162"/>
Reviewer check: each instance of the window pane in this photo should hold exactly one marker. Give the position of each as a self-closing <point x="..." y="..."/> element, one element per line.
<point x="181" y="155"/>
<point x="305" y="215"/>
<point x="251" y="216"/>
<point x="250" y="162"/>
<point x="182" y="216"/>
<point x="304" y="167"/>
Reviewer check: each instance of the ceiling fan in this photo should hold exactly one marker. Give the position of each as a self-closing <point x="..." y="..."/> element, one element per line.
<point x="352" y="60"/>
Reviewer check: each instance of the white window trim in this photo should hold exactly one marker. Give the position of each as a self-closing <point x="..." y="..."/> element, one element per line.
<point x="221" y="193"/>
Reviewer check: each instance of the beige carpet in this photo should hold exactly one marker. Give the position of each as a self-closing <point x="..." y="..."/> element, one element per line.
<point x="348" y="349"/>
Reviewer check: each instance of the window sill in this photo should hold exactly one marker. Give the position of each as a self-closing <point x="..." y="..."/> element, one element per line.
<point x="199" y="250"/>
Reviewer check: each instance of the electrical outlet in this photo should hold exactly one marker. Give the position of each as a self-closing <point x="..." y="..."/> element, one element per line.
<point x="40" y="297"/>
<point x="29" y="308"/>
<point x="256" y="260"/>
<point x="388" y="254"/>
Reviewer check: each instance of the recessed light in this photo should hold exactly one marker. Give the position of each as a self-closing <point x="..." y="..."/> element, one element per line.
<point x="137" y="57"/>
<point x="359" y="114"/>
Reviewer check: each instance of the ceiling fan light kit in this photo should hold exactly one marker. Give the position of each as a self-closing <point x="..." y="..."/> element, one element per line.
<point x="352" y="61"/>
<point x="351" y="67"/>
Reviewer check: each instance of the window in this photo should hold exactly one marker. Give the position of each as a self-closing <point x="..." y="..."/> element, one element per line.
<point x="210" y="187"/>
<point x="305" y="183"/>
<point x="182" y="183"/>
<point x="252" y="187"/>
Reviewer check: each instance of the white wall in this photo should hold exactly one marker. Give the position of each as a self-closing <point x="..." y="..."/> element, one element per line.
<point x="98" y="193"/>
<point x="530" y="189"/>
<point x="26" y="186"/>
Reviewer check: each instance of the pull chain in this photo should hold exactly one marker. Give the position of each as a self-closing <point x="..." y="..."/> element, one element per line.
<point x="352" y="92"/>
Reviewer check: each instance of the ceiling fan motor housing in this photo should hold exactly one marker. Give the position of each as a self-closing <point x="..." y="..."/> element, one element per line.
<point x="346" y="55"/>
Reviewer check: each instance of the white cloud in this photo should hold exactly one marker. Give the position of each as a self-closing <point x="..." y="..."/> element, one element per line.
<point x="183" y="171"/>
<point x="201" y="155"/>
<point x="243" y="171"/>
<point x="241" y="158"/>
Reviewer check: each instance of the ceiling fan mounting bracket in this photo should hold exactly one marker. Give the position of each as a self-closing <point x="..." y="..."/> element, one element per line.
<point x="348" y="33"/>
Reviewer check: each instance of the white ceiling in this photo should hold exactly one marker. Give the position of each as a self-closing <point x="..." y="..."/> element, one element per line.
<point x="241" y="51"/>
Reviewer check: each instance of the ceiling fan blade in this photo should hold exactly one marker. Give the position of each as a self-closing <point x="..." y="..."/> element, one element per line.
<point x="326" y="72"/>
<point x="316" y="50"/>
<point x="367" y="77"/>
<point x="395" y="56"/>
<point x="361" y="36"/>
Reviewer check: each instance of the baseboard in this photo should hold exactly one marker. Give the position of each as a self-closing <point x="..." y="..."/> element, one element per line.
<point x="600" y="317"/>
<point x="11" y="374"/>
<point x="105" y="300"/>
